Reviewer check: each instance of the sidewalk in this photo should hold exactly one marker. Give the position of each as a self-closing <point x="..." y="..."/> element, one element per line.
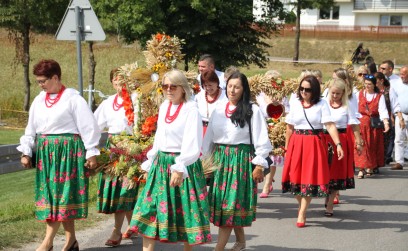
<point x="372" y="217"/>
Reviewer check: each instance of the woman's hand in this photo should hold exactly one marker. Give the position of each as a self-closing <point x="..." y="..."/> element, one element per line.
<point x="91" y="163"/>
<point x="359" y="149"/>
<point x="402" y="123"/>
<point x="386" y="126"/>
<point x="340" y="152"/>
<point x="258" y="174"/>
<point x="26" y="161"/>
<point x="176" y="179"/>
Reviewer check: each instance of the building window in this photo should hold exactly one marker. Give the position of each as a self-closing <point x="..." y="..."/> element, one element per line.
<point x="332" y="13"/>
<point x="387" y="20"/>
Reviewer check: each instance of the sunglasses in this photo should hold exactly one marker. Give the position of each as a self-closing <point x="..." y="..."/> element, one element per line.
<point x="361" y="74"/>
<point x="171" y="87"/>
<point x="301" y="89"/>
<point x="368" y="76"/>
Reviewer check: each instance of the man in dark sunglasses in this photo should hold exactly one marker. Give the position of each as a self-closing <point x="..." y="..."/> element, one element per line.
<point x="387" y="67"/>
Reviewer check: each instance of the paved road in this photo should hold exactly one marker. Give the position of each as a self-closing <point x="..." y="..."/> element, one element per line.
<point x="374" y="216"/>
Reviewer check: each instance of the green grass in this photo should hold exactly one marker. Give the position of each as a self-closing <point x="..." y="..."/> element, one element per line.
<point x="17" y="210"/>
<point x="10" y="136"/>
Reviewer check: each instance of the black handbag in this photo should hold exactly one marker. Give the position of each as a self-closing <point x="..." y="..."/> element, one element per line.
<point x="330" y="150"/>
<point x="375" y="122"/>
<point x="268" y="159"/>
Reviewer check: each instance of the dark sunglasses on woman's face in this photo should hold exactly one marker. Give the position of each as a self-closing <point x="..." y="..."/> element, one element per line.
<point x="305" y="89"/>
<point x="171" y="87"/>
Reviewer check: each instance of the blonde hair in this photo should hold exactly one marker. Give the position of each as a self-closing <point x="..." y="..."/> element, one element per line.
<point x="273" y="74"/>
<point x="342" y="73"/>
<point x="177" y="77"/>
<point x="341" y="85"/>
<point x="228" y="72"/>
<point x="317" y="73"/>
<point x="362" y="68"/>
<point x="304" y="74"/>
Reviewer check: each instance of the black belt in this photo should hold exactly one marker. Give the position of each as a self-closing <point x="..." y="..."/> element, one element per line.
<point x="205" y="123"/>
<point x="308" y="131"/>
<point x="340" y="130"/>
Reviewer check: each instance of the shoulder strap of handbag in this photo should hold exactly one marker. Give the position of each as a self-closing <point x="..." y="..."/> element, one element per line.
<point x="250" y="129"/>
<point x="314" y="131"/>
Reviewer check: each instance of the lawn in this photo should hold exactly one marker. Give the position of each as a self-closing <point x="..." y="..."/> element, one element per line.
<point x="17" y="210"/>
<point x="10" y="136"/>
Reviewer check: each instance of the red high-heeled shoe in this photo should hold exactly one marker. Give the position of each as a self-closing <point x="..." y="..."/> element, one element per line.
<point x="113" y="243"/>
<point x="129" y="233"/>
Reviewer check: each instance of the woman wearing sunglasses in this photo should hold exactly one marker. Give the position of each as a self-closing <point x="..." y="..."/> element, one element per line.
<point x="371" y="103"/>
<point x="306" y="170"/>
<point x="173" y="206"/>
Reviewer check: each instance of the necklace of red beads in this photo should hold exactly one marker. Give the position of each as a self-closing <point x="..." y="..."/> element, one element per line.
<point x="229" y="112"/>
<point x="115" y="105"/>
<point x="49" y="102"/>
<point x="305" y="106"/>
<point x="335" y="107"/>
<point x="215" y="99"/>
<point x="170" y="118"/>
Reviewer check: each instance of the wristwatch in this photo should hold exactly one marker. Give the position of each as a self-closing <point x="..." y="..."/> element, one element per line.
<point x="338" y="144"/>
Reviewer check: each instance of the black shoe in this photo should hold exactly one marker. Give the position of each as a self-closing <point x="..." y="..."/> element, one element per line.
<point x="388" y="161"/>
<point x="376" y="171"/>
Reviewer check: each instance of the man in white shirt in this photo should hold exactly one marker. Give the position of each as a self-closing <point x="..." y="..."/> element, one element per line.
<point x="387" y="67"/>
<point x="206" y="63"/>
<point x="400" y="88"/>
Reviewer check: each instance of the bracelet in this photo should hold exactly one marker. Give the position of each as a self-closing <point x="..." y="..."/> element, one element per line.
<point x="338" y="144"/>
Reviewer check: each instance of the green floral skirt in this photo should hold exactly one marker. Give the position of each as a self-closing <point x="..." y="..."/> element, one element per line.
<point x="114" y="194"/>
<point x="61" y="188"/>
<point x="172" y="214"/>
<point x="233" y="192"/>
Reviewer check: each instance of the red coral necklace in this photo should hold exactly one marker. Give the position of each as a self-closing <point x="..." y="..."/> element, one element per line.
<point x="115" y="105"/>
<point x="306" y="106"/>
<point x="49" y="102"/>
<point x="215" y="99"/>
<point x="170" y="118"/>
<point x="332" y="105"/>
<point x="229" y="112"/>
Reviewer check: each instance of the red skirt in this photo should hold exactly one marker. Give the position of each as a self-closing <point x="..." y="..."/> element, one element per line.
<point x="342" y="171"/>
<point x="306" y="169"/>
<point x="372" y="155"/>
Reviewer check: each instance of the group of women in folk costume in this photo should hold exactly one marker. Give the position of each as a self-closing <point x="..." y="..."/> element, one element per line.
<point x="175" y="206"/>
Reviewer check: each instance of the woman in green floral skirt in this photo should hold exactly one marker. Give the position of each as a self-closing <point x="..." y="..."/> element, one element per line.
<point x="173" y="206"/>
<point x="114" y="195"/>
<point x="66" y="134"/>
<point x="233" y="193"/>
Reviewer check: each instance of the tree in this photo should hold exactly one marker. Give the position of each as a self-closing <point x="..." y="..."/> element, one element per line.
<point x="225" y="29"/>
<point x="20" y="17"/>
<point x="306" y="4"/>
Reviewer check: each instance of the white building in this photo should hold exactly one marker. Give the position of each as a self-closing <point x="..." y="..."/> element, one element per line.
<point x="353" y="13"/>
